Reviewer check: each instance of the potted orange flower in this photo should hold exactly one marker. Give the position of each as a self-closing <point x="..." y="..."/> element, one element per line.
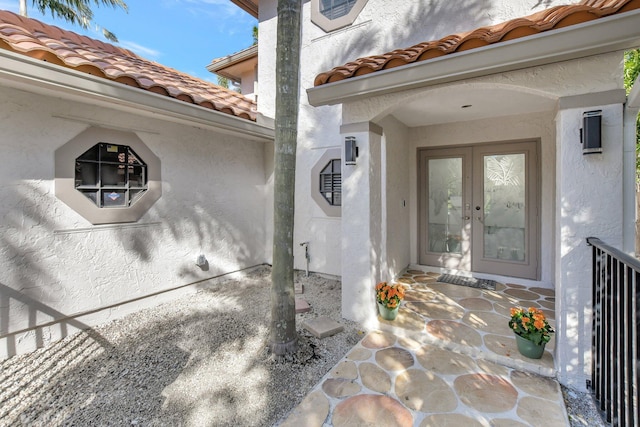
<point x="389" y="298"/>
<point x="532" y="331"/>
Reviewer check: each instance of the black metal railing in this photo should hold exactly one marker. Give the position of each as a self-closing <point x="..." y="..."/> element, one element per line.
<point x="614" y="346"/>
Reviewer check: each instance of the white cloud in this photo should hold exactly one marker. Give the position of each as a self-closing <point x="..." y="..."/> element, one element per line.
<point x="143" y="51"/>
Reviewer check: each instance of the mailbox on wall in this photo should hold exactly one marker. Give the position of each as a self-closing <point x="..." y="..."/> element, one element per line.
<point x="591" y="133"/>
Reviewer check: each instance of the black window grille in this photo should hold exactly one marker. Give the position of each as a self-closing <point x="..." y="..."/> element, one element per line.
<point x="334" y="9"/>
<point x="111" y="176"/>
<point x="331" y="183"/>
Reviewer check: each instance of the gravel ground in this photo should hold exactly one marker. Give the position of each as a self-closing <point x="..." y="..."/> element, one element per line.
<point x="200" y="360"/>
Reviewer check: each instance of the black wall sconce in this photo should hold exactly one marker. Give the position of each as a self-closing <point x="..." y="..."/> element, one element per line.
<point x="591" y="133"/>
<point x="350" y="150"/>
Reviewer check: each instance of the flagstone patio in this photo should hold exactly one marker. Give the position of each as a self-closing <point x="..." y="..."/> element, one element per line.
<point x="449" y="358"/>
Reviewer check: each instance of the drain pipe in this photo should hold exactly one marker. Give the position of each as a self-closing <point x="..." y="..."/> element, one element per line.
<point x="306" y="254"/>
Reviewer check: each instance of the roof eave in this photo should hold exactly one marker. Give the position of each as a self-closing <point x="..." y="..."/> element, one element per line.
<point x="616" y="32"/>
<point x="219" y="64"/>
<point x="249" y="6"/>
<point x="33" y="75"/>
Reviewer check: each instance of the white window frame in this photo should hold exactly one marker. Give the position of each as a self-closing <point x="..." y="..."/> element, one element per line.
<point x="65" y="190"/>
<point x="329" y="25"/>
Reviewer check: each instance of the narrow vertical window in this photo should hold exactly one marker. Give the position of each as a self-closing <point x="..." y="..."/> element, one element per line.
<point x="331" y="183"/>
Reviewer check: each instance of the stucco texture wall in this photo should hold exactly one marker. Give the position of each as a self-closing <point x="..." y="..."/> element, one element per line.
<point x="54" y="263"/>
<point x="382" y="26"/>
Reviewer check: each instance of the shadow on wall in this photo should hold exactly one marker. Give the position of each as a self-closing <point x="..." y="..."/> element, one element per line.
<point x="44" y="269"/>
<point x="175" y="365"/>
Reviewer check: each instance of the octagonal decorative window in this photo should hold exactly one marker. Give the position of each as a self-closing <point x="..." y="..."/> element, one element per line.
<point x="111" y="175"/>
<point x="107" y="176"/>
<point x="331" y="15"/>
<point x="326" y="182"/>
<point x="331" y="183"/>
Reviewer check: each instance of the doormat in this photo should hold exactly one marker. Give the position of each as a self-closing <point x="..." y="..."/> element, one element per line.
<point x="468" y="281"/>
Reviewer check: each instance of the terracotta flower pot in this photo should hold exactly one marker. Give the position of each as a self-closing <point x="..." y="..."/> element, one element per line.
<point x="529" y="349"/>
<point x="387" y="313"/>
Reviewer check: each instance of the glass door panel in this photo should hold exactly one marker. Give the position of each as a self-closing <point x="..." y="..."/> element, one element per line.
<point x="445" y="208"/>
<point x="505" y="200"/>
<point x="445" y="205"/>
<point x="504" y="223"/>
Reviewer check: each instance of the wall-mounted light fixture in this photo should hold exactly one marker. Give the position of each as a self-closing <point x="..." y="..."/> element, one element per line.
<point x="590" y="133"/>
<point x="350" y="150"/>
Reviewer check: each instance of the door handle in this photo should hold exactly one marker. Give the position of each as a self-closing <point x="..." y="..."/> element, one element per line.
<point x="466" y="218"/>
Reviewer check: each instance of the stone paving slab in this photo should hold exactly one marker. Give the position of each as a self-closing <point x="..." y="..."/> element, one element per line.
<point x="302" y="306"/>
<point x="390" y="381"/>
<point x="322" y="327"/>
<point x="447" y="359"/>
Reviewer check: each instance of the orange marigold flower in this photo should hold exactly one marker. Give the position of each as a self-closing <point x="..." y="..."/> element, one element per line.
<point x="391" y="293"/>
<point x="393" y="303"/>
<point x="380" y="285"/>
<point x="532" y="309"/>
<point x="525" y="320"/>
<point x="539" y="324"/>
<point x="515" y="311"/>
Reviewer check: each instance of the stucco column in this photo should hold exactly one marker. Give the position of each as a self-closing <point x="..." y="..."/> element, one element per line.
<point x="361" y="223"/>
<point x="589" y="202"/>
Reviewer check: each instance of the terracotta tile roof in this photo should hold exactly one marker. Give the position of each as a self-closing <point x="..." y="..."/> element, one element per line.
<point x="55" y="45"/>
<point x="545" y="20"/>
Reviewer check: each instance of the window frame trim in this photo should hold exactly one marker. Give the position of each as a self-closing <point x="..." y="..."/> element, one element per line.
<point x="65" y="159"/>
<point x="329" y="25"/>
<point x="316" y="195"/>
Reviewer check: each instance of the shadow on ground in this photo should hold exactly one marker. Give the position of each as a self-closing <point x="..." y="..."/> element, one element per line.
<point x="197" y="361"/>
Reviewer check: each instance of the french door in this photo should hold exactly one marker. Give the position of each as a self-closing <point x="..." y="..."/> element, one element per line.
<point x="479" y="208"/>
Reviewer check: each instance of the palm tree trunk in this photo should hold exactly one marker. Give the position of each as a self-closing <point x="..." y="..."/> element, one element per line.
<point x="23" y="8"/>
<point x="283" y="337"/>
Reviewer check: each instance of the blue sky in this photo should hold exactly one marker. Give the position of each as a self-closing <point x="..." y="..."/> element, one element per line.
<point x="182" y="34"/>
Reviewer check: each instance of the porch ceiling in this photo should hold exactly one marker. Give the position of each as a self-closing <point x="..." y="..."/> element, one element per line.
<point x="458" y="104"/>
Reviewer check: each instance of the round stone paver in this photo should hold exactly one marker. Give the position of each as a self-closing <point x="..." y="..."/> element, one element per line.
<point x="394" y="359"/>
<point x="488" y="322"/>
<point x="543" y="387"/>
<point x="371" y="410"/>
<point x="486" y="393"/>
<point x="505" y="422"/>
<point x="444" y="362"/>
<point x="533" y="411"/>
<point x="407" y="319"/>
<point x="378" y="339"/>
<point x="359" y="354"/>
<point x="312" y="412"/>
<point x="339" y="387"/>
<point x="547" y="292"/>
<point x="522" y="294"/>
<point x="449" y="420"/>
<point x="346" y="370"/>
<point x="425" y="392"/>
<point x="374" y="378"/>
<point x="437" y="310"/>
<point x="478" y="304"/>
<point x="449" y="330"/>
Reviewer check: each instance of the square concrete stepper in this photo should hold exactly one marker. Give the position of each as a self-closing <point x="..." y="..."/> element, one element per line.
<point x="322" y="327"/>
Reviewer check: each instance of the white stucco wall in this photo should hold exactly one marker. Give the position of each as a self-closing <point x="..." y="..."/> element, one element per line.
<point x="589" y="199"/>
<point x="382" y="26"/>
<point x="54" y="263"/>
